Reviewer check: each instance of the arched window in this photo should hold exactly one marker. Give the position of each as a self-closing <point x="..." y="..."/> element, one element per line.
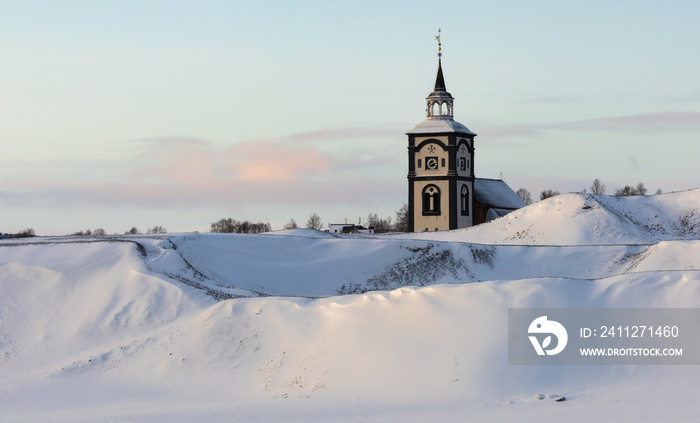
<point x="465" y="200"/>
<point x="431" y="200"/>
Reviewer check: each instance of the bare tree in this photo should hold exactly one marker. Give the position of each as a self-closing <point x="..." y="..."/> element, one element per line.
<point x="629" y="191"/>
<point x="524" y="195"/>
<point x="658" y="191"/>
<point x="99" y="232"/>
<point x="379" y="225"/>
<point x="314" y="222"/>
<point x="132" y="231"/>
<point x="25" y="233"/>
<point x="223" y="226"/>
<point x="292" y="224"/>
<point x="157" y="230"/>
<point x="548" y="193"/>
<point x="401" y="224"/>
<point x="597" y="188"/>
<point x="230" y="225"/>
<point x="641" y="189"/>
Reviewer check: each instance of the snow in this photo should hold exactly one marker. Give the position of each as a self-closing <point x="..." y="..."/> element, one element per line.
<point x="439" y="126"/>
<point x="218" y="327"/>
<point x="586" y="219"/>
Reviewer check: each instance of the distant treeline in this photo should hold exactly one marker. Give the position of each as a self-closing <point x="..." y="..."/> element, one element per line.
<point x="22" y="234"/>
<point x="230" y="225"/>
<point x="233" y="226"/>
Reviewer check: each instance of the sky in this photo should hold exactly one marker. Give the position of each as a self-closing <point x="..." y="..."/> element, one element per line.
<point x="116" y="114"/>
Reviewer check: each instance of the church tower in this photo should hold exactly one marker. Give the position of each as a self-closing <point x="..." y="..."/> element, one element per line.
<point x="440" y="165"/>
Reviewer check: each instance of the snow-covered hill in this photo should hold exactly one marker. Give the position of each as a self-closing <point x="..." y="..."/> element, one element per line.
<point x="218" y="327"/>
<point x="586" y="219"/>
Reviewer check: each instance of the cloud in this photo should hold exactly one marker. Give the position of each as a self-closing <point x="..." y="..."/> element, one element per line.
<point x="336" y="134"/>
<point x="166" y="143"/>
<point x="344" y="133"/>
<point x="666" y="122"/>
<point x="275" y="161"/>
<point x="228" y="194"/>
<point x="659" y="121"/>
<point x="186" y="171"/>
<point x="510" y="131"/>
<point x="210" y="164"/>
<point x="549" y="100"/>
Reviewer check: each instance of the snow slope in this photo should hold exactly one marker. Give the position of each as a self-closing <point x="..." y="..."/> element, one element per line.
<point x="248" y="328"/>
<point x="586" y="219"/>
<point x="255" y="265"/>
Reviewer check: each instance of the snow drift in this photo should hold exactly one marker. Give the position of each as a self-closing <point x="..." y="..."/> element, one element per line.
<point x="243" y="327"/>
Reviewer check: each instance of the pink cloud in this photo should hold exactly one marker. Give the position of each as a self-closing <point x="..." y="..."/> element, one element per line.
<point x="329" y="134"/>
<point x="276" y="161"/>
<point x="205" y="164"/>
<point x="290" y="157"/>
<point x="178" y="171"/>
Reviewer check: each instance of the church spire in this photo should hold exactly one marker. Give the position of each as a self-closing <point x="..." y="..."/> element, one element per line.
<point x="440" y="102"/>
<point x="440" y="80"/>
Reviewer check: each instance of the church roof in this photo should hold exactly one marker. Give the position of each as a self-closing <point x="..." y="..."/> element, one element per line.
<point x="439" y="126"/>
<point x="495" y="193"/>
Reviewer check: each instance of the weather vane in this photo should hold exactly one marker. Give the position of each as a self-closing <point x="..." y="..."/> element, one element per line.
<point x="437" y="37"/>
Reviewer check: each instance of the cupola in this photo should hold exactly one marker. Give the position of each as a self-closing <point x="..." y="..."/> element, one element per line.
<point x="440" y="102"/>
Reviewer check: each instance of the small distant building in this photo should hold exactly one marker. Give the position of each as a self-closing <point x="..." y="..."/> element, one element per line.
<point x="345" y="228"/>
<point x="443" y="192"/>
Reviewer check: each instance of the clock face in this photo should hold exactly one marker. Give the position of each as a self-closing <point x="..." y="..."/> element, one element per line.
<point x="462" y="164"/>
<point x="431" y="163"/>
